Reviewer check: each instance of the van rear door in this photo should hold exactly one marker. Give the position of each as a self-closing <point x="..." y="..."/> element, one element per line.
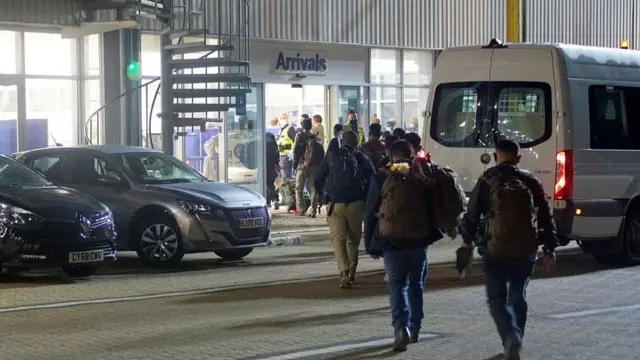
<point x="526" y="106"/>
<point x="484" y="94"/>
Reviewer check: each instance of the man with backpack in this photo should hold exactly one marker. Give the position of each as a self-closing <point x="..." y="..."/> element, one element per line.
<point x="308" y="153"/>
<point x="374" y="147"/>
<point x="399" y="228"/>
<point x="346" y="174"/>
<point x="517" y="219"/>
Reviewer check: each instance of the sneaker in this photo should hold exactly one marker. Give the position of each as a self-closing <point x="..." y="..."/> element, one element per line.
<point x="402" y="339"/>
<point x="352" y="277"/>
<point x="312" y="215"/>
<point x="345" y="283"/>
<point x="512" y="350"/>
<point x="298" y="212"/>
<point x="415" y="337"/>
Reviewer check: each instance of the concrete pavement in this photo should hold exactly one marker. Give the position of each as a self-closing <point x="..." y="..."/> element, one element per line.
<point x="313" y="319"/>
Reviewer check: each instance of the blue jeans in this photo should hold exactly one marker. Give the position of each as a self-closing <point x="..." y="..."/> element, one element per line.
<point x="406" y="270"/>
<point x="506" y="281"/>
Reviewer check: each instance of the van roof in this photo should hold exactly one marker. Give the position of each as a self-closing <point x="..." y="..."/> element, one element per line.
<point x="581" y="61"/>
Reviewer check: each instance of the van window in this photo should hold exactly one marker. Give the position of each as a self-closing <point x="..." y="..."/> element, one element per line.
<point x="613" y="115"/>
<point x="477" y="114"/>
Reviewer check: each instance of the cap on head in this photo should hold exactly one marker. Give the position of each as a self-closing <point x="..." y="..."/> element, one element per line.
<point x="306" y="124"/>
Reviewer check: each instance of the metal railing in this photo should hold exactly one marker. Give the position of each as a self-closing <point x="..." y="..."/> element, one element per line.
<point x="94" y="123"/>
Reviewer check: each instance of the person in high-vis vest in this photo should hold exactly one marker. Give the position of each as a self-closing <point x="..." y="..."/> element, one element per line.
<point x="352" y="116"/>
<point x="285" y="142"/>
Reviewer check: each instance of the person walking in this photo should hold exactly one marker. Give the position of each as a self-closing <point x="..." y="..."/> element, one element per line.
<point x="517" y="219"/>
<point x="398" y="229"/>
<point x="346" y="174"/>
<point x="374" y="147"/>
<point x="308" y="153"/>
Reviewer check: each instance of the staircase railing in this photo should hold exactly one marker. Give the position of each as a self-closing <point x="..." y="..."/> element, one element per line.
<point x="93" y="121"/>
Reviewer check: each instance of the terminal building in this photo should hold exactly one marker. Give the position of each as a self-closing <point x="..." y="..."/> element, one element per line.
<point x="65" y="68"/>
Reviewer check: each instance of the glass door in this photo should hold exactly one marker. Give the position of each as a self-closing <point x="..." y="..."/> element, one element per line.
<point x="352" y="98"/>
<point x="9" y="139"/>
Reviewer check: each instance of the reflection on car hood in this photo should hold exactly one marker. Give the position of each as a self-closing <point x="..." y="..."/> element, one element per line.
<point x="223" y="195"/>
<point x="55" y="203"/>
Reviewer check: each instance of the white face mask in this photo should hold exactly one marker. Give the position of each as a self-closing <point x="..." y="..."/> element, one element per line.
<point x="283" y="122"/>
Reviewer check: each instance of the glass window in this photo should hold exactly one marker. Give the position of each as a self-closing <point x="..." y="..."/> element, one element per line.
<point x="384" y="67"/>
<point x="49" y="54"/>
<point x="417" y="67"/>
<point x="92" y="171"/>
<point x="460" y="116"/>
<point x="284" y="102"/>
<point x="8" y="119"/>
<point x="413" y="104"/>
<point x="150" y="55"/>
<point x="612" y="114"/>
<point x="50" y="166"/>
<point x="9" y="53"/>
<point x="92" y="55"/>
<point x="158" y="168"/>
<point x="12" y="172"/>
<point x="147" y="110"/>
<point x="51" y="113"/>
<point x="92" y="102"/>
<point x="384" y="107"/>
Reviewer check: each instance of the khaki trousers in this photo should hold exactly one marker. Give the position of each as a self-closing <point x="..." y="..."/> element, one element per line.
<point x="345" y="227"/>
<point x="305" y="178"/>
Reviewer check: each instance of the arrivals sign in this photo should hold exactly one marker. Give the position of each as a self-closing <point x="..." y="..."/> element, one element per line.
<point x="300" y="62"/>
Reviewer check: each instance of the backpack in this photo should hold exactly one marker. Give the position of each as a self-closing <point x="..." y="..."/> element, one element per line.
<point x="450" y="198"/>
<point x="405" y="211"/>
<point x="376" y="152"/>
<point x="511" y="225"/>
<point x="345" y="173"/>
<point x="314" y="152"/>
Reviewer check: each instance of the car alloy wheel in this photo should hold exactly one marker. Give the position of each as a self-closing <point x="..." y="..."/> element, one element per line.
<point x="159" y="242"/>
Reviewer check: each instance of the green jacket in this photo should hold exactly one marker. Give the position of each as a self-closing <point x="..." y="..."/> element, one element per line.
<point x="360" y="132"/>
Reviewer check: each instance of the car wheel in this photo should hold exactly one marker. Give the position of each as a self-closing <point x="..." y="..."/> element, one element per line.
<point x="233" y="254"/>
<point x="158" y="241"/>
<point x="630" y="254"/>
<point x="80" y="271"/>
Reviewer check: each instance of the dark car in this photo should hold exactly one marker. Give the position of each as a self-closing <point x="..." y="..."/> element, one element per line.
<point x="46" y="225"/>
<point x="162" y="207"/>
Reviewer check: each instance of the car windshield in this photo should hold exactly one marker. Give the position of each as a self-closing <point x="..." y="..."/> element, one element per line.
<point x="14" y="174"/>
<point x="476" y="114"/>
<point x="158" y="168"/>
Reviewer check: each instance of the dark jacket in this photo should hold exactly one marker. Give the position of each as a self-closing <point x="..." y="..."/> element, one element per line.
<point x="300" y="147"/>
<point x="334" y="145"/>
<point x="273" y="156"/>
<point x="478" y="206"/>
<point x="375" y="244"/>
<point x="375" y="150"/>
<point x="334" y="194"/>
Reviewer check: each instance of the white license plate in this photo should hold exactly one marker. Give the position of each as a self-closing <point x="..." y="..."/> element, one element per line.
<point x="79" y="257"/>
<point x="252" y="223"/>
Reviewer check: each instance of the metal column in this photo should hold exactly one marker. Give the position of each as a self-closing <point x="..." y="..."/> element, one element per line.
<point x="167" y="97"/>
<point x="113" y="69"/>
<point x="132" y="124"/>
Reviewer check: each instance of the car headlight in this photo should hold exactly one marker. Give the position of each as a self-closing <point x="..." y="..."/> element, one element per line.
<point x="11" y="216"/>
<point x="197" y="208"/>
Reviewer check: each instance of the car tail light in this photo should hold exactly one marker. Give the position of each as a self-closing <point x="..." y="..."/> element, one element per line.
<point x="564" y="176"/>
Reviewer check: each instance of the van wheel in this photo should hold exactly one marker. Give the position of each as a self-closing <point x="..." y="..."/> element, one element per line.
<point x="630" y="254"/>
<point x="157" y="240"/>
<point x="233" y="254"/>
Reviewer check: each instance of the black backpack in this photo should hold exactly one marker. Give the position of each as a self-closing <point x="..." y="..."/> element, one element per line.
<point x="345" y="173"/>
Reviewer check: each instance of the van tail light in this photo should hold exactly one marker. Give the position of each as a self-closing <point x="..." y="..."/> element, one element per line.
<point x="564" y="176"/>
<point x="424" y="155"/>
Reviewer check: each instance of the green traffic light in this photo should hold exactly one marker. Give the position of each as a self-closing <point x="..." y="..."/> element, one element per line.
<point x="133" y="71"/>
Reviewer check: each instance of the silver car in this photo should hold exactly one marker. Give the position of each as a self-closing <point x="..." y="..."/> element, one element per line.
<point x="162" y="208"/>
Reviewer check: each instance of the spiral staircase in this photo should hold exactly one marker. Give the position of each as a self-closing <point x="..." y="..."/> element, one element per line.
<point x="205" y="68"/>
